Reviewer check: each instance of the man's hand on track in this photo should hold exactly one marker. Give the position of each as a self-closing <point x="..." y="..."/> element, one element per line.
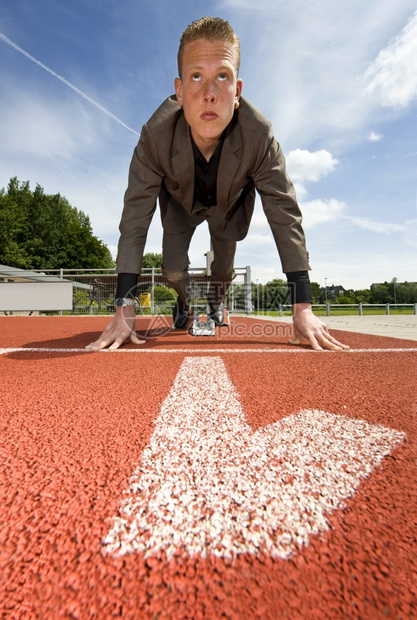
<point x="308" y="326"/>
<point x="120" y="329"/>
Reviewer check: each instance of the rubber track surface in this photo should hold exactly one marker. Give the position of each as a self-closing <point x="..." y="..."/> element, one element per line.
<point x="74" y="426"/>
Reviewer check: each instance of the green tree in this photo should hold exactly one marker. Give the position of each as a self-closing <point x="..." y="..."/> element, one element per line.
<point x="236" y="296"/>
<point x="40" y="231"/>
<point x="407" y="293"/>
<point x="316" y="292"/>
<point x="381" y="294"/>
<point x="151" y="259"/>
<point x="275" y="293"/>
<point x="347" y="298"/>
<point x="362" y="296"/>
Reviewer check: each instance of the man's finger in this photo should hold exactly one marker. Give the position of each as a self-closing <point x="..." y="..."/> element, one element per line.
<point x="314" y="343"/>
<point x="331" y="343"/>
<point x="136" y="340"/>
<point x="97" y="345"/>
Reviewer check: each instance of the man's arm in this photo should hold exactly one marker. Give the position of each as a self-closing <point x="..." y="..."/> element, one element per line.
<point x="139" y="206"/>
<point x="284" y="217"/>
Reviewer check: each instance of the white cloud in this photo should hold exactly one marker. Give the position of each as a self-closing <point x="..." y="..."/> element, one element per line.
<point x="319" y="211"/>
<point x="303" y="73"/>
<point x="410" y="234"/>
<point x="359" y="269"/>
<point x="374" y="137"/>
<point x="304" y="166"/>
<point x="310" y="166"/>
<point x="393" y="74"/>
<point x="40" y="128"/>
<point x="384" y="228"/>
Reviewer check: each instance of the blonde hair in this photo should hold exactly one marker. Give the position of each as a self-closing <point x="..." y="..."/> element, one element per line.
<point x="212" y="29"/>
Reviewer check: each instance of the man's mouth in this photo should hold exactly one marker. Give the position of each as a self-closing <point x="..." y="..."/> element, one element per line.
<point x="208" y="116"/>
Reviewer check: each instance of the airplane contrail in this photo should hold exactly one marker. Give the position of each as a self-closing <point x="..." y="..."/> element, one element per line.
<point x="59" y="77"/>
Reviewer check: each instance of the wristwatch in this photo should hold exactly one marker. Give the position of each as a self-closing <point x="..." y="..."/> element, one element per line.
<point x="121" y="302"/>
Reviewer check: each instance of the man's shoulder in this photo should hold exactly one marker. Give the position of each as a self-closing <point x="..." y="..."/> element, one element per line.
<point x="165" y="118"/>
<point x="251" y="119"/>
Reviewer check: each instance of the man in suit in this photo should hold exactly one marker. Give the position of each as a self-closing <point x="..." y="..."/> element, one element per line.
<point x="203" y="154"/>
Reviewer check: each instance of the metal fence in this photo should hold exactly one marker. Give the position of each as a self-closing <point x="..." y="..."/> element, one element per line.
<point x="94" y="290"/>
<point x="94" y="293"/>
<point x="363" y="309"/>
<point x="348" y="309"/>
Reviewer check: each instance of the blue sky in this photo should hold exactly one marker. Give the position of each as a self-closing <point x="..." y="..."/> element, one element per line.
<point x="337" y="79"/>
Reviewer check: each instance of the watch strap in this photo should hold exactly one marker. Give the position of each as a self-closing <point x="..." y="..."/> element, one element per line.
<point x="121" y="302"/>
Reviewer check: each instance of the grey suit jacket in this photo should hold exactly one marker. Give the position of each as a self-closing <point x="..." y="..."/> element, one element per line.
<point x="162" y="168"/>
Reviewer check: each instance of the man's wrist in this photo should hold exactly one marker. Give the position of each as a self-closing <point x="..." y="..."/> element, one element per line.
<point x="301" y="307"/>
<point x="126" y="285"/>
<point x="299" y="287"/>
<point x="122" y="302"/>
<point x="125" y="311"/>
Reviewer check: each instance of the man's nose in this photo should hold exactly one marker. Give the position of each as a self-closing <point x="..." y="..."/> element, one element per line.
<point x="210" y="94"/>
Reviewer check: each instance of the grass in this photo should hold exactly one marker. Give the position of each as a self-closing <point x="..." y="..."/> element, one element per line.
<point x="343" y="311"/>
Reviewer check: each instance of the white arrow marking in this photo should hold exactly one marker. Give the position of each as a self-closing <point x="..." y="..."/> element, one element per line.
<point x="208" y="483"/>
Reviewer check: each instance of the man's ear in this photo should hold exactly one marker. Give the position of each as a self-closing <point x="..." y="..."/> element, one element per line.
<point x="239" y="85"/>
<point x="178" y="89"/>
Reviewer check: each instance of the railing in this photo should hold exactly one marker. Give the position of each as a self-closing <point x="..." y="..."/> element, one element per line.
<point x="94" y="293"/>
<point x="94" y="289"/>
<point x="348" y="309"/>
<point x="362" y="309"/>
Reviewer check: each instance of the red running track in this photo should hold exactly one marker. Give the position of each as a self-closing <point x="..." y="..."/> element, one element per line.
<point x="76" y="426"/>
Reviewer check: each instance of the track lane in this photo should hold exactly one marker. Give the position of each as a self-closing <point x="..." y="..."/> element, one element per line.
<point x="74" y="427"/>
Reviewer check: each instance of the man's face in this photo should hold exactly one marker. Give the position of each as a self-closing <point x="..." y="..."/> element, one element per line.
<point x="209" y="89"/>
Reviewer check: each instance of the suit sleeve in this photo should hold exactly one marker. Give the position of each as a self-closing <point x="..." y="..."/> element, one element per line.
<point x="145" y="179"/>
<point x="280" y="205"/>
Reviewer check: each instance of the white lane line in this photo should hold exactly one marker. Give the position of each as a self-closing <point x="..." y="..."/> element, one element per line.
<point x="208" y="484"/>
<point x="218" y="350"/>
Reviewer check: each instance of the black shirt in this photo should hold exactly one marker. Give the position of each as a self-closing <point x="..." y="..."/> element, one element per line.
<point x="205" y="175"/>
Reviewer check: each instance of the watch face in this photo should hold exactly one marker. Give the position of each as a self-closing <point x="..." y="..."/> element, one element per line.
<point x="121" y="302"/>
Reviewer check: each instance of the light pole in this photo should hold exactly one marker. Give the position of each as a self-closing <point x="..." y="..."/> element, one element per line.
<point x="325" y="289"/>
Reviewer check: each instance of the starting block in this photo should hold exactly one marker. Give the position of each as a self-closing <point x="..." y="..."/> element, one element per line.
<point x="202" y="328"/>
<point x="203" y="325"/>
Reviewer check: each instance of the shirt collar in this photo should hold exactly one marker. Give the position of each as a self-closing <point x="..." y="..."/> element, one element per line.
<point x="196" y="151"/>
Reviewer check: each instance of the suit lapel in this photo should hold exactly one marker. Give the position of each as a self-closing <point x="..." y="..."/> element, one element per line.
<point x="182" y="161"/>
<point x="230" y="161"/>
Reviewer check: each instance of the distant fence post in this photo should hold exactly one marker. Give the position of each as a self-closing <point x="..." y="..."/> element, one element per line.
<point x="360" y="309"/>
<point x="387" y="309"/>
<point x="153" y="291"/>
<point x="248" y="291"/>
<point x="415" y="309"/>
<point x="328" y="309"/>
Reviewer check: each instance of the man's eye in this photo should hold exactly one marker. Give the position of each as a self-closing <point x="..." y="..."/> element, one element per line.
<point x="195" y="77"/>
<point x="222" y="76"/>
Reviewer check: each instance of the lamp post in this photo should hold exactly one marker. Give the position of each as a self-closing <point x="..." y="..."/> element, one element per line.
<point x="257" y="295"/>
<point x="325" y="289"/>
